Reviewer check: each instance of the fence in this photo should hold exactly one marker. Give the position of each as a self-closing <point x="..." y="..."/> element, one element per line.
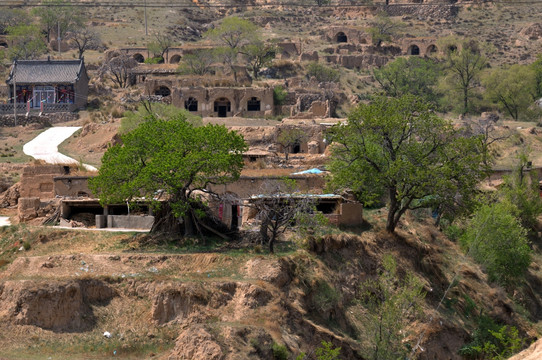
<point x="7" y="109"/>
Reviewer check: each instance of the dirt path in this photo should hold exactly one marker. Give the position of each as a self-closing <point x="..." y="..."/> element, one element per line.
<point x="45" y="146"/>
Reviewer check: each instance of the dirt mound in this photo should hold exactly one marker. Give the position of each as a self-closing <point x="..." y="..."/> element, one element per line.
<point x="196" y="343"/>
<point x="10" y="197"/>
<point x="58" y="306"/>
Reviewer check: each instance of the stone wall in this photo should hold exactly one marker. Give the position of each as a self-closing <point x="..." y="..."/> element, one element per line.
<point x="71" y="186"/>
<point x="37" y="181"/>
<point x="45" y="119"/>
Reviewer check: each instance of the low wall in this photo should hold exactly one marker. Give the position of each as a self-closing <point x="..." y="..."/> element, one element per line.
<point x="124" y="221"/>
<point x="33" y="118"/>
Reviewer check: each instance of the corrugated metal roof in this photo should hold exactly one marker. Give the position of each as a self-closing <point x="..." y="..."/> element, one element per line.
<point x="46" y="71"/>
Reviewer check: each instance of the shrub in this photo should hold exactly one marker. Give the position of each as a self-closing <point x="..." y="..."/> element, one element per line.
<point x="495" y="239"/>
<point x="280" y="352"/>
<point x="327" y="352"/>
<point x="279" y="95"/>
<point x="154" y="60"/>
<point x="322" y="73"/>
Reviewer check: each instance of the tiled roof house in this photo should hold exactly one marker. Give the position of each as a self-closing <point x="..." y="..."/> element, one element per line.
<point x="49" y="85"/>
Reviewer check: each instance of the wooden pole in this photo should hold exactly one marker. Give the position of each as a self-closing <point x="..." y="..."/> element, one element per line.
<point x="14" y="92"/>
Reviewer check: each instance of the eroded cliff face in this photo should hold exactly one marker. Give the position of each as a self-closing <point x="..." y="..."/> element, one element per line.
<point x="236" y="306"/>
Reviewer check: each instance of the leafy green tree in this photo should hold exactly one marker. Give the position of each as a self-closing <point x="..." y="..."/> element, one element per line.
<point x="400" y="148"/>
<point x="463" y="68"/>
<point x="55" y="14"/>
<point x="392" y="304"/>
<point x="495" y="239"/>
<point x="170" y="156"/>
<point x="383" y="29"/>
<point x="537" y="68"/>
<point x="289" y="137"/>
<point x="234" y="33"/>
<point x="27" y="42"/>
<point x="521" y="189"/>
<point x="412" y="75"/>
<point x="512" y="88"/>
<point x="199" y="62"/>
<point x="326" y="351"/>
<point x="258" y="55"/>
<point x="12" y="17"/>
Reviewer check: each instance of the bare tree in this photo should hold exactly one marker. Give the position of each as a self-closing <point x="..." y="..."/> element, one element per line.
<point x="277" y="206"/>
<point x="119" y="70"/>
<point x="199" y="62"/>
<point x="161" y="43"/>
<point x="85" y="39"/>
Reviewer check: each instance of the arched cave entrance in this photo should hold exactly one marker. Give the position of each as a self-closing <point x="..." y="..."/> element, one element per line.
<point x="341" y="37"/>
<point x="452" y="48"/>
<point x="222" y="107"/>
<point x="3" y="44"/>
<point x="162" y="91"/>
<point x="253" y="104"/>
<point x="413" y="50"/>
<point x="191" y="104"/>
<point x="139" y="58"/>
<point x="296" y="148"/>
<point x="175" y="59"/>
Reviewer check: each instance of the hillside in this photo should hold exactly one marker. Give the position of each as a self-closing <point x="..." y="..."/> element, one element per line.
<point x="226" y="301"/>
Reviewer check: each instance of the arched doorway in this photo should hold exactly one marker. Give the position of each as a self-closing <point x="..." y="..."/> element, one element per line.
<point x="413" y="50"/>
<point x="431" y="49"/>
<point x="175" y="59"/>
<point x="3" y="44"/>
<point x="191" y="104"/>
<point x="452" y="48"/>
<point x="222" y="107"/>
<point x="253" y="104"/>
<point x="162" y="91"/>
<point x="139" y="58"/>
<point x="341" y="37"/>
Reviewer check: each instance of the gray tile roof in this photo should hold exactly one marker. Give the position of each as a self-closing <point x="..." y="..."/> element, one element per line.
<point x="46" y="71"/>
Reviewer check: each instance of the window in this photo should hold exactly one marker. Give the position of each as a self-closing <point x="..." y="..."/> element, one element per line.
<point x="253" y="104"/>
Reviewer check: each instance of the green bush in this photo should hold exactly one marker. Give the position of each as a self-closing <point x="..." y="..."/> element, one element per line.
<point x="492" y="341"/>
<point x="327" y="352"/>
<point x="322" y="73"/>
<point x="154" y="60"/>
<point x="279" y="95"/>
<point x="495" y="239"/>
<point x="280" y="352"/>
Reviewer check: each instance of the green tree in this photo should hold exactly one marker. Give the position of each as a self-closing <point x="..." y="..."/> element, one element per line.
<point x="12" y="17"/>
<point x="495" y="239"/>
<point x="234" y="33"/>
<point x="199" y="62"/>
<point x="383" y="29"/>
<point x="512" y="88"/>
<point x="170" y="156"/>
<point x="463" y="68"/>
<point x="412" y="75"/>
<point x="58" y="14"/>
<point x="521" y="189"/>
<point x="400" y="148"/>
<point x="537" y="68"/>
<point x="258" y="55"/>
<point x="392" y="304"/>
<point x="326" y="351"/>
<point x="27" y="42"/>
<point x="289" y="137"/>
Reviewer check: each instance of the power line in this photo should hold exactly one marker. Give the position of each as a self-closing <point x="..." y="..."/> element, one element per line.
<point x="170" y="4"/>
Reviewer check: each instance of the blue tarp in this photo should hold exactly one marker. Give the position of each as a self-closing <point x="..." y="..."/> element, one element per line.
<point x="310" y="171"/>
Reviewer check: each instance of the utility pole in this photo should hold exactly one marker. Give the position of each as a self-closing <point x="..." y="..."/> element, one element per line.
<point x="14" y="92"/>
<point x="146" y="30"/>
<point x="58" y="40"/>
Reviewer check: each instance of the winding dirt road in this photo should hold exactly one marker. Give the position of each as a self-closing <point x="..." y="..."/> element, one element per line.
<point x="45" y="146"/>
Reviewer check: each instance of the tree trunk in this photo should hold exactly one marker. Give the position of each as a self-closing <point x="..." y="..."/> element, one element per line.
<point x="263" y="231"/>
<point x="188" y="225"/>
<point x="465" y="101"/>
<point x="391" y="222"/>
